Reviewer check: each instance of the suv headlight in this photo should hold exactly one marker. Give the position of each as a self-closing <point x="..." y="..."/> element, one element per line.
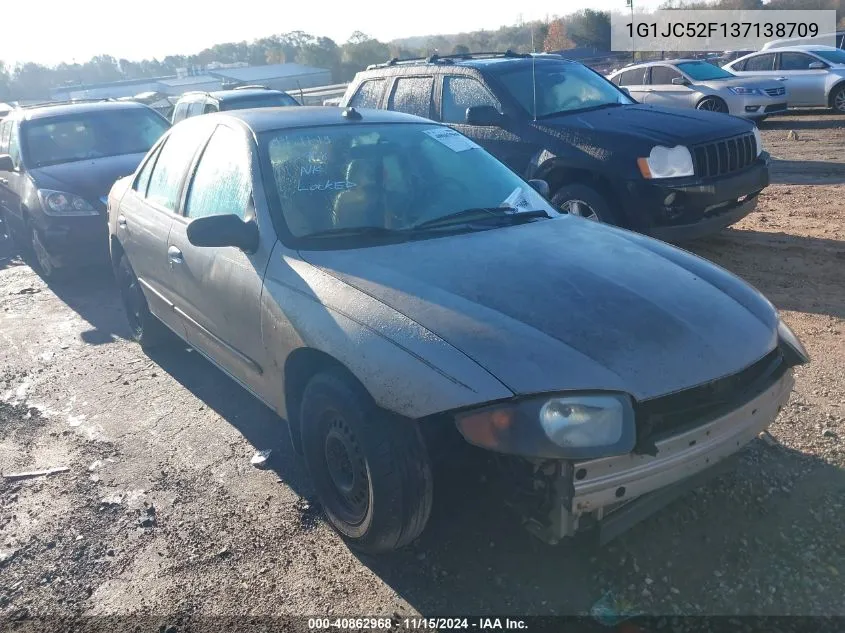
<point x="788" y="338"/>
<point x="744" y="91"/>
<point x="65" y="204"/>
<point x="666" y="162"/>
<point x="758" y="140"/>
<point x="567" y="426"/>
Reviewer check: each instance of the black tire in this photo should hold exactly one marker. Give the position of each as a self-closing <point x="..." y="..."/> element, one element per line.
<point x="145" y="328"/>
<point x="712" y="104"/>
<point x="569" y="198"/>
<point x="837" y="99"/>
<point x="371" y="470"/>
<point x="42" y="261"/>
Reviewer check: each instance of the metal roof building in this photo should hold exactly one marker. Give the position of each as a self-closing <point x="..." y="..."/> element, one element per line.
<point x="288" y="77"/>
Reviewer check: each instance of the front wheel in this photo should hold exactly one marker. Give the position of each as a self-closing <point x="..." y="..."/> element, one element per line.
<point x="584" y="202"/>
<point x="371" y="471"/>
<point x="712" y="104"/>
<point x="43" y="259"/>
<point x="837" y="100"/>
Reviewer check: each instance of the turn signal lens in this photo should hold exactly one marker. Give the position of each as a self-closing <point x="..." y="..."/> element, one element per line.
<point x="486" y="427"/>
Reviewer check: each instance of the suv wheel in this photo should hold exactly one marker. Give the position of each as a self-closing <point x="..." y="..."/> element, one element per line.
<point x="584" y="202"/>
<point x="371" y="471"/>
<point x="837" y="100"/>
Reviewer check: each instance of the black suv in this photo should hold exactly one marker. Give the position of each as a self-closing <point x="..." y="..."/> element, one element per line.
<point x="57" y="165"/>
<point x="670" y="173"/>
<point x="194" y="103"/>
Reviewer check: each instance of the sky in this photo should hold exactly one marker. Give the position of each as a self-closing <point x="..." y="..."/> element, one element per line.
<point x="54" y="31"/>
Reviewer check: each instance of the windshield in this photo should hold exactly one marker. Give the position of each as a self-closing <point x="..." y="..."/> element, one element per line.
<point x="263" y="101"/>
<point x="388" y="177"/>
<point x="833" y="56"/>
<point x="88" y="135"/>
<point x="561" y="87"/>
<point x="702" y="71"/>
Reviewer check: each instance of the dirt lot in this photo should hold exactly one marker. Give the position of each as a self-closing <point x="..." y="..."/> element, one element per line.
<point x="161" y="512"/>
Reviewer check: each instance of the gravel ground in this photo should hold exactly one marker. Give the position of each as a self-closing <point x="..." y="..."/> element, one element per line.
<point x="161" y="512"/>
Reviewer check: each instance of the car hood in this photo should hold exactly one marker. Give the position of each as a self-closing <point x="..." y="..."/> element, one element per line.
<point x="651" y="124"/>
<point x="90" y="179"/>
<point x="568" y="304"/>
<point x="747" y="82"/>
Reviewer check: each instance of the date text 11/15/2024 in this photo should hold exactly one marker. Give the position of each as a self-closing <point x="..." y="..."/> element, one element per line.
<point x="412" y="624"/>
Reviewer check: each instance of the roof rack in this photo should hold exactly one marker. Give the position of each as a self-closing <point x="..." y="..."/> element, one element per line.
<point x="445" y="59"/>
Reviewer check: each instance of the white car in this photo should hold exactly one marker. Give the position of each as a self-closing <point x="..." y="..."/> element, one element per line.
<point x="814" y="75"/>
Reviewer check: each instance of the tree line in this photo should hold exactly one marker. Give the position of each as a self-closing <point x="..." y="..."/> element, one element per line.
<point x="585" y="28"/>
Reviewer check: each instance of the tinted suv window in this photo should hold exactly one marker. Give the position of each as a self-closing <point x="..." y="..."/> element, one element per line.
<point x="180" y="111"/>
<point x="5" y="130"/>
<point x="269" y="100"/>
<point x="632" y="77"/>
<point x="368" y="94"/>
<point x="760" y="62"/>
<point x="171" y="165"/>
<point x="222" y="182"/>
<point x="412" y="95"/>
<point x="795" y="61"/>
<point x="663" y="75"/>
<point x="460" y="93"/>
<point x="196" y="108"/>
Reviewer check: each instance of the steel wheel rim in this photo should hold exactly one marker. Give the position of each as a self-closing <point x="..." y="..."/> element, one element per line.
<point x="839" y="101"/>
<point x="347" y="470"/>
<point x="581" y="209"/>
<point x="41" y="254"/>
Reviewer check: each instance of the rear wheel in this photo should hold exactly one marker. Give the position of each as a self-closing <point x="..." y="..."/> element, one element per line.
<point x="585" y="202"/>
<point x="712" y="104"/>
<point x="371" y="471"/>
<point x="145" y="327"/>
<point x="837" y="99"/>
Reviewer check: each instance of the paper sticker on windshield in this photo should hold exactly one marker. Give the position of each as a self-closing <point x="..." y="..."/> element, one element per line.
<point x="451" y="139"/>
<point x="517" y="200"/>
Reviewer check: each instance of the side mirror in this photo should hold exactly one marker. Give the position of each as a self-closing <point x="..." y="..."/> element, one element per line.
<point x="540" y="186"/>
<point x="817" y="65"/>
<point x="224" y="230"/>
<point x="679" y="81"/>
<point x="625" y="90"/>
<point x="483" y="115"/>
<point x="6" y="163"/>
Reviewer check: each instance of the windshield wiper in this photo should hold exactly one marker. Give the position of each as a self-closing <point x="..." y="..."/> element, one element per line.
<point x="353" y="231"/>
<point x="613" y="104"/>
<point x="481" y="213"/>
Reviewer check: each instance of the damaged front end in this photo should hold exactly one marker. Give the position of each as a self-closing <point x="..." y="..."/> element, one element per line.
<point x="682" y="440"/>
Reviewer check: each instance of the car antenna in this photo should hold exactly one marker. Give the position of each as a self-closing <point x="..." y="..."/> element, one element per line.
<point x="534" y="72"/>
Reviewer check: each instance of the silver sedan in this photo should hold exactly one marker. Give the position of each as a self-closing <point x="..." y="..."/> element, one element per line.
<point x="690" y="83"/>
<point x="389" y="287"/>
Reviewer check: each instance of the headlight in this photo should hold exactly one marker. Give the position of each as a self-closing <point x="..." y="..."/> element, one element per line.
<point x="666" y="162"/>
<point x="584" y="426"/>
<point x="61" y="203"/>
<point x="788" y="338"/>
<point x="744" y="91"/>
<point x="758" y="140"/>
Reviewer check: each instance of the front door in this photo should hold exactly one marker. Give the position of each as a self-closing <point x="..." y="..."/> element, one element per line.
<point x="460" y="92"/>
<point x="805" y="85"/>
<point x="662" y="92"/>
<point x="219" y="288"/>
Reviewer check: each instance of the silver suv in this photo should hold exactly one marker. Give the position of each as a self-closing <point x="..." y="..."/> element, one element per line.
<point x="690" y="83"/>
<point x="814" y="75"/>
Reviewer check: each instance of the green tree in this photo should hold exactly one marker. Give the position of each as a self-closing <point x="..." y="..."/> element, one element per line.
<point x="460" y="49"/>
<point x="359" y="52"/>
<point x="589" y="28"/>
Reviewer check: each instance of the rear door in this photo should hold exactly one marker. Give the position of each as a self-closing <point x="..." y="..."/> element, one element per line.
<point x="218" y="289"/>
<point x="805" y="85"/>
<point x="634" y="81"/>
<point x="146" y="214"/>
<point x="461" y="92"/>
<point x="662" y="92"/>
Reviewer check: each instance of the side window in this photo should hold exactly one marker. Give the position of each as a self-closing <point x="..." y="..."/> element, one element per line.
<point x="460" y="93"/>
<point x="633" y="77"/>
<point x="196" y="108"/>
<point x="737" y="66"/>
<point x="760" y="62"/>
<point x="173" y="160"/>
<point x="5" y="130"/>
<point x="615" y="79"/>
<point x="661" y="75"/>
<point x="209" y="108"/>
<point x="795" y="61"/>
<point x="368" y="94"/>
<point x="412" y="95"/>
<point x="143" y="179"/>
<point x="15" y="146"/>
<point x="180" y="112"/>
<point x="222" y="181"/>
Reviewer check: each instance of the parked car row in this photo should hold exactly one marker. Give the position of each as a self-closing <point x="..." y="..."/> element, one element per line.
<point x="399" y="283"/>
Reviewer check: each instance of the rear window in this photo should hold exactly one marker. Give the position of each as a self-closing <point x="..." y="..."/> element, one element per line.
<point x="91" y="135"/>
<point x="271" y="100"/>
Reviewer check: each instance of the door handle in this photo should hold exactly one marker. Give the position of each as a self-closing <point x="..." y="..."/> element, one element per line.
<point x="121" y="221"/>
<point x="175" y="255"/>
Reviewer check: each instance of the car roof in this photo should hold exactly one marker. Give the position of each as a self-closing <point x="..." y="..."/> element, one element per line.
<point x="244" y="93"/>
<point x="46" y="111"/>
<point x="658" y="62"/>
<point x="266" y="119"/>
<point x="798" y="47"/>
